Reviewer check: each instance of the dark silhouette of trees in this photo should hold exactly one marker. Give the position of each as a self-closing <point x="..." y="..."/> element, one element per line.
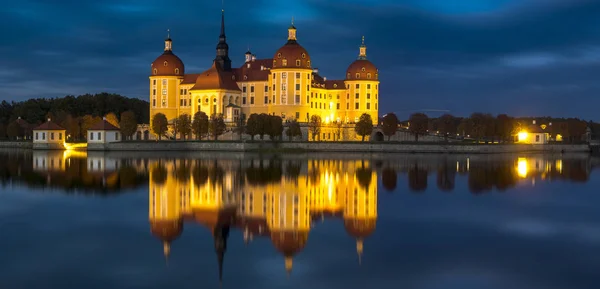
<point x="418" y="124"/>
<point x="364" y="126"/>
<point x="14" y="131"/>
<point x="447" y="125"/>
<point x="417" y="179"/>
<point x="183" y="126"/>
<point x="200" y="124"/>
<point x="364" y="175"/>
<point x="253" y="125"/>
<point x="159" y="174"/>
<point x="217" y="125"/>
<point x="293" y="130"/>
<point x="505" y="127"/>
<point x="159" y="125"/>
<point x="389" y="178"/>
<point x="314" y="126"/>
<point x="274" y="127"/>
<point x="2" y="131"/>
<point x="389" y="125"/>
<point x="445" y="177"/>
<point x="128" y="124"/>
<point x="200" y="173"/>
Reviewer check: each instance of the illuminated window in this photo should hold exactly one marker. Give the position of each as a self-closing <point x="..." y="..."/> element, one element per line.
<point x="363" y="69"/>
<point x="284" y="75"/>
<point x="283" y="87"/>
<point x="176" y="70"/>
<point x="348" y="76"/>
<point x="165" y="63"/>
<point x="164" y="82"/>
<point x="308" y="63"/>
<point x="155" y="72"/>
<point x="278" y="55"/>
<point x="368" y="75"/>
<point x="357" y="75"/>
<point x="298" y="62"/>
<point x="284" y="62"/>
<point x="303" y="55"/>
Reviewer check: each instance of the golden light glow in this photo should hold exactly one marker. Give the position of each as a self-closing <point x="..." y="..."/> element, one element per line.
<point x="523" y="136"/>
<point x="522" y="167"/>
<point x="558" y="165"/>
<point x="559" y="137"/>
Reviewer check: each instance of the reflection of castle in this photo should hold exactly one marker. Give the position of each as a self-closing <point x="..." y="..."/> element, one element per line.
<point x="266" y="198"/>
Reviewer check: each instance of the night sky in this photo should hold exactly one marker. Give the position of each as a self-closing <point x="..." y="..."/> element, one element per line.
<point x="521" y="57"/>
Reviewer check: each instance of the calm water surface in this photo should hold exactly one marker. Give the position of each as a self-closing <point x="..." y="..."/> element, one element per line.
<point x="151" y="220"/>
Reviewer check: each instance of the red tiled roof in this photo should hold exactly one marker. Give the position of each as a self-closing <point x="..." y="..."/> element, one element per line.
<point x="535" y="129"/>
<point x="190" y="78"/>
<point x="216" y="78"/>
<point x="103" y="125"/>
<point x="257" y="70"/>
<point x="49" y="125"/>
<point x="335" y="84"/>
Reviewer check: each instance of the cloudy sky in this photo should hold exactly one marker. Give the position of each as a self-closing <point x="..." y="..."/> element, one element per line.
<point x="522" y="57"/>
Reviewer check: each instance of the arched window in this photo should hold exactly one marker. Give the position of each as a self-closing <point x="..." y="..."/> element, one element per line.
<point x="308" y="63"/>
<point x="176" y="70"/>
<point x="303" y="55"/>
<point x="298" y="62"/>
<point x="155" y="71"/>
<point x="357" y="75"/>
<point x="348" y="76"/>
<point x="363" y="69"/>
<point x="369" y="75"/>
<point x="165" y="63"/>
<point x="284" y="62"/>
<point x="278" y="55"/>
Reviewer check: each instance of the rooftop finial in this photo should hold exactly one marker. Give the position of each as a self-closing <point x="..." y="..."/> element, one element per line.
<point x="168" y="33"/>
<point x="363" y="40"/>
<point x="292" y="20"/>
<point x="222" y="5"/>
<point x="363" y="50"/>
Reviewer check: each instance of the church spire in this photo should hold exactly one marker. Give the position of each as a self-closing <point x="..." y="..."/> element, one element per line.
<point x="292" y="32"/>
<point x="222" y="57"/>
<point x="363" y="50"/>
<point x="220" y="238"/>
<point x="168" y="42"/>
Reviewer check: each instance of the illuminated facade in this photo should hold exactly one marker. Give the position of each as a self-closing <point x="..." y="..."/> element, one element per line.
<point x="286" y="85"/>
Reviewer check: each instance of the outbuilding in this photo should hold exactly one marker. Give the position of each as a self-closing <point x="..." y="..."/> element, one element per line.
<point x="49" y="135"/>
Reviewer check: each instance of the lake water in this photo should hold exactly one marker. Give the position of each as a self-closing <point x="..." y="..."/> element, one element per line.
<point x="193" y="220"/>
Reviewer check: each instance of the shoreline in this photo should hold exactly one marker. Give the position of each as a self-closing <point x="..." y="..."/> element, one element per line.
<point x="326" y="147"/>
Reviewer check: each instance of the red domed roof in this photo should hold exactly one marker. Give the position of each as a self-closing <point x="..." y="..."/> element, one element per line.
<point x="166" y="230"/>
<point x="168" y="64"/>
<point x="360" y="228"/>
<point x="362" y="69"/>
<point x="294" y="54"/>
<point x="289" y="242"/>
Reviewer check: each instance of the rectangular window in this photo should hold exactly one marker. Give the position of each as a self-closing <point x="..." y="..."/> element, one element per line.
<point x="36" y="136"/>
<point x="298" y="99"/>
<point x="116" y="136"/>
<point x="375" y="96"/>
<point x="284" y="75"/>
<point x="298" y="75"/>
<point x="266" y="99"/>
<point x="307" y="87"/>
<point x="273" y="87"/>
<point x="91" y="136"/>
<point x="252" y="100"/>
<point x="357" y="96"/>
<point x="368" y="106"/>
<point x="338" y="96"/>
<point x="283" y="87"/>
<point x="154" y="102"/>
<point x="164" y="91"/>
<point x="266" y="88"/>
<point x="348" y="96"/>
<point x="537" y="138"/>
<point x="154" y="92"/>
<point x="244" y="89"/>
<point x="181" y="102"/>
<point x="311" y="105"/>
<point x="164" y="102"/>
<point x="368" y="96"/>
<point x="308" y="76"/>
<point x="274" y="76"/>
<point x="51" y="136"/>
<point x="356" y="106"/>
<point x="307" y="98"/>
<point x="357" y="86"/>
<point x="338" y="105"/>
<point x="99" y="136"/>
<point x="368" y="86"/>
<point x="60" y="136"/>
<point x="297" y="114"/>
<point x="43" y="136"/>
<point x="154" y="82"/>
<point x="297" y="86"/>
<point x="244" y="100"/>
<point x="164" y="82"/>
<point x="252" y="89"/>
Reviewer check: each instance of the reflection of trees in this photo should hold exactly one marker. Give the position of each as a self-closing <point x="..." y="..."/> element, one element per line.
<point x="417" y="178"/>
<point x="200" y="173"/>
<point x="485" y="176"/>
<point x="364" y="176"/>
<point x="183" y="171"/>
<point x="292" y="170"/>
<point x="216" y="174"/>
<point x="389" y="178"/>
<point x="445" y="177"/>
<point x="262" y="175"/>
<point x="159" y="174"/>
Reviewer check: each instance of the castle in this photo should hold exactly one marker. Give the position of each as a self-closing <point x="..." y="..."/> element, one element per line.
<point x="286" y="85"/>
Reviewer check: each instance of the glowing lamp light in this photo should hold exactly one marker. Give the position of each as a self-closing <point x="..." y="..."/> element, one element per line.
<point x="327" y="119"/>
<point x="522" y="136"/>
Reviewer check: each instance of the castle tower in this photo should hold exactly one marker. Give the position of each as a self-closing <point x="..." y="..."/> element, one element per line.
<point x="362" y="80"/>
<point x="222" y="58"/>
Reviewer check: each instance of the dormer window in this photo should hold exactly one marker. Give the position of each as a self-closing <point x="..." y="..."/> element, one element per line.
<point x="298" y="62"/>
<point x="165" y="63"/>
<point x="274" y="63"/>
<point x="335" y="86"/>
<point x="155" y="71"/>
<point x="308" y="63"/>
<point x="245" y="77"/>
<point x="369" y="75"/>
<point x="363" y="69"/>
<point x="357" y="75"/>
<point x="233" y="77"/>
<point x="278" y="55"/>
<point x="376" y="75"/>
<point x="284" y="62"/>
<point x="303" y="55"/>
<point x="348" y="76"/>
<point x="176" y="70"/>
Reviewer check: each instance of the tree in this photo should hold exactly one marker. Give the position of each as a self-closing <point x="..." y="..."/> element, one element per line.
<point x="418" y="123"/>
<point x="263" y="124"/>
<point x="216" y="125"/>
<point x="505" y="126"/>
<point x="200" y="124"/>
<point x="364" y="126"/>
<point x="112" y="119"/>
<point x="389" y="124"/>
<point x="478" y="122"/>
<point x="275" y="127"/>
<point x="128" y="124"/>
<point x="252" y="126"/>
<point x="86" y="122"/>
<point x="2" y="131"/>
<point x="447" y="125"/>
<point x="14" y="130"/>
<point x="389" y="179"/>
<point x="183" y="125"/>
<point x="314" y="126"/>
<point x="160" y="125"/>
<point x="293" y="130"/>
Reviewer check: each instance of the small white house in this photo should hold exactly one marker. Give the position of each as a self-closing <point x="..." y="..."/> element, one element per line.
<point x="232" y="113"/>
<point x="534" y="134"/>
<point x="103" y="132"/>
<point x="49" y="135"/>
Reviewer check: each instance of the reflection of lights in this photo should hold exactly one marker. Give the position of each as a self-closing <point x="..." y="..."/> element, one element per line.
<point x="522" y="136"/>
<point x="522" y="167"/>
<point x="468" y="164"/>
<point x="457" y="166"/>
<point x="558" y="166"/>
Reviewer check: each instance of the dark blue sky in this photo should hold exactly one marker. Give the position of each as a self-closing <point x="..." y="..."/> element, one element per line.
<point x="522" y="57"/>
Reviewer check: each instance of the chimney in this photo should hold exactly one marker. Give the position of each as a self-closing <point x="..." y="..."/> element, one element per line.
<point x="324" y="78"/>
<point x="534" y="121"/>
<point x="253" y="57"/>
<point x="316" y="70"/>
<point x="262" y="67"/>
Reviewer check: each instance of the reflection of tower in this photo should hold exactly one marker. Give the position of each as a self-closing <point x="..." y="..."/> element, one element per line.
<point x="165" y="207"/>
<point x="360" y="211"/>
<point x="324" y="185"/>
<point x="289" y="221"/>
<point x="252" y="210"/>
<point x="220" y="238"/>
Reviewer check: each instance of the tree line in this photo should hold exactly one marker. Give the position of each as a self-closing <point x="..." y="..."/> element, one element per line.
<point x="75" y="114"/>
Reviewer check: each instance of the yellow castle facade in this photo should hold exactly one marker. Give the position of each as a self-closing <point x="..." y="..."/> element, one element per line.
<point x="282" y="209"/>
<point x="286" y="85"/>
